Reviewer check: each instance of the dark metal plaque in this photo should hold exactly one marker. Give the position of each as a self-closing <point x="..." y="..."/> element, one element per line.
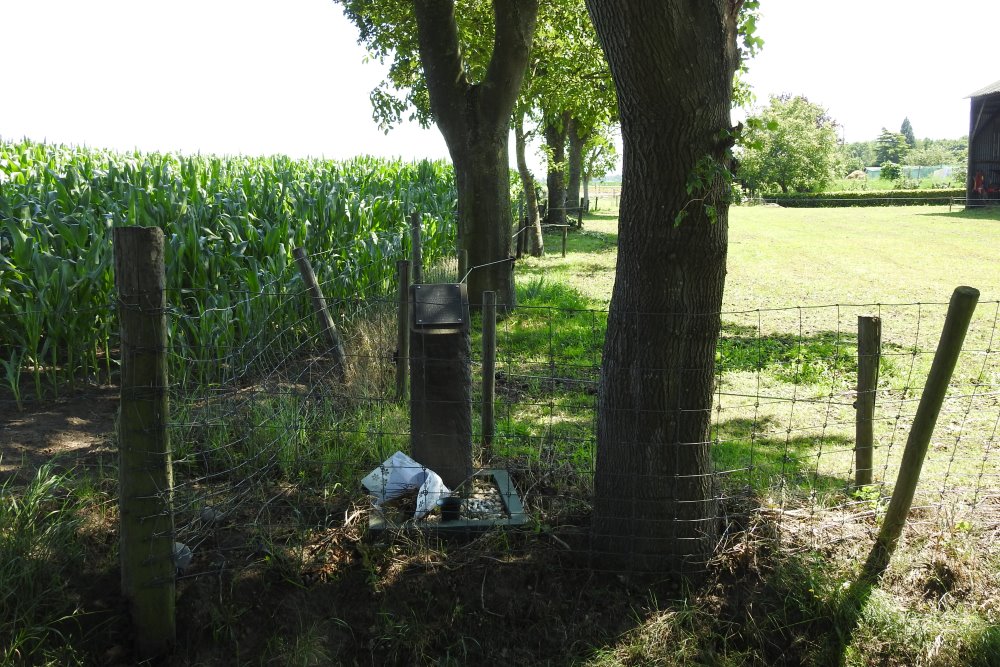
<point x="439" y="305"/>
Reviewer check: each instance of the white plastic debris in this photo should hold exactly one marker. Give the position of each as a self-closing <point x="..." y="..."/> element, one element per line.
<point x="399" y="474"/>
<point x="182" y="556"/>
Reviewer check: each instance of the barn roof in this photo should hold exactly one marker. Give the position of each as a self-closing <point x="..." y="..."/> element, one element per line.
<point x="988" y="90"/>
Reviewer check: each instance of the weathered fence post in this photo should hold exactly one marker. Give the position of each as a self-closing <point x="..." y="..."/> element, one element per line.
<point x="565" y="233"/>
<point x="521" y="226"/>
<point x="579" y="215"/>
<point x="869" y="354"/>
<point x="415" y="241"/>
<point x="489" y="371"/>
<point x="322" y="312"/>
<point x="463" y="264"/>
<point x="145" y="472"/>
<point x="441" y="381"/>
<point x="960" y="310"/>
<point x="402" y="328"/>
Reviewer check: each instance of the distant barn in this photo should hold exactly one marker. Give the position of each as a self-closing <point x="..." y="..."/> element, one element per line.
<point x="983" y="181"/>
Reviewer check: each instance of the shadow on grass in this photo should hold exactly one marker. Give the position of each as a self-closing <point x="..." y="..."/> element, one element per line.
<point x="748" y="455"/>
<point x="553" y="331"/>
<point x="581" y="241"/>
<point x="820" y="357"/>
<point x="979" y="213"/>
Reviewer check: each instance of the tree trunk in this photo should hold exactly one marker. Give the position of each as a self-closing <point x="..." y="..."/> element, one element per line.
<point x="576" y="141"/>
<point x="484" y="215"/>
<point x="535" y="243"/>
<point x="655" y="506"/>
<point x="555" y="138"/>
<point x="474" y="119"/>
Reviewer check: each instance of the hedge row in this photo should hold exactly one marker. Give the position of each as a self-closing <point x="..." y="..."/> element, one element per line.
<point x="865" y="198"/>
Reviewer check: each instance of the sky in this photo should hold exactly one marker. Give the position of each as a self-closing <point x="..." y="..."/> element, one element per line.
<point x="287" y="76"/>
<point x="872" y="63"/>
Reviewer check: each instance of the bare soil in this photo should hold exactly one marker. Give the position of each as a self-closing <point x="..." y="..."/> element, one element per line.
<point x="72" y="431"/>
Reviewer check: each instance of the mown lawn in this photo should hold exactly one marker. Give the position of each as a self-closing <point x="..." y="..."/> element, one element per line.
<point x="786" y="257"/>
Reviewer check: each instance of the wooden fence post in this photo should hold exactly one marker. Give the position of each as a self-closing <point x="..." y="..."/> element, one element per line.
<point x="463" y="264"/>
<point x="489" y="372"/>
<point x="579" y="215"/>
<point x="418" y="257"/>
<point x="322" y="312"/>
<point x="403" y="328"/>
<point x="146" y="476"/>
<point x="869" y="354"/>
<point x="565" y="233"/>
<point x="960" y="310"/>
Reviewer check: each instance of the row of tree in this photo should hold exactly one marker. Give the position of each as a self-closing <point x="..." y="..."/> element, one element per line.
<point x="669" y="78"/>
<point x="565" y="94"/>
<point x="792" y="144"/>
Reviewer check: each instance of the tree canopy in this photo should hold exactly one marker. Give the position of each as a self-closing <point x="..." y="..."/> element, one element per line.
<point x="791" y="144"/>
<point x="891" y="147"/>
<point x="907" y="131"/>
<point x="462" y="67"/>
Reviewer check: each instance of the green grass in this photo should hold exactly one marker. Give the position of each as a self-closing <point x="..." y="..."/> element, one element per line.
<point x="436" y="602"/>
<point x="47" y="568"/>
<point x="799" y="257"/>
<point x="789" y="336"/>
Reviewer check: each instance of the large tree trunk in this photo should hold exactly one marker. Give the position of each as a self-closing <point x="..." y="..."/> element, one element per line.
<point x="475" y="121"/>
<point x="535" y="244"/>
<point x="484" y="216"/>
<point x="555" y="139"/>
<point x="655" y="506"/>
<point x="576" y="141"/>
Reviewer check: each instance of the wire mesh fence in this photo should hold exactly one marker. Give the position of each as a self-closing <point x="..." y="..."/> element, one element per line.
<point x="269" y="458"/>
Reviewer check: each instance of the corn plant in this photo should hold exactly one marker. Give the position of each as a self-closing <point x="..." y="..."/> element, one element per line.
<point x="230" y="226"/>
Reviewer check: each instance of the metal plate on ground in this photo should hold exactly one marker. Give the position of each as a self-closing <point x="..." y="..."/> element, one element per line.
<point x="513" y="514"/>
<point x="440" y="305"/>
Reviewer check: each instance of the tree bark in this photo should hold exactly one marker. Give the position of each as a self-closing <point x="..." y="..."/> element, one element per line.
<point x="555" y="138"/>
<point x="576" y="142"/>
<point x="535" y="243"/>
<point x="672" y="64"/>
<point x="475" y="122"/>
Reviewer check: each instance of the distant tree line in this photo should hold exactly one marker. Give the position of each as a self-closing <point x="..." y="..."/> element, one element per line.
<point x="792" y="145"/>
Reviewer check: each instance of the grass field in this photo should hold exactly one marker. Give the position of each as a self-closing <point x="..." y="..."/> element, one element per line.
<point x="787" y="257"/>
<point x="797" y="280"/>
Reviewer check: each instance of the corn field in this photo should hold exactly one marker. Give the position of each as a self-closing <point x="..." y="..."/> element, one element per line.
<point x="230" y="223"/>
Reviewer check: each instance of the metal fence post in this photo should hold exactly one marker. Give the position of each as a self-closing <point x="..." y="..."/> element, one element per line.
<point x="489" y="372"/>
<point x="146" y="475"/>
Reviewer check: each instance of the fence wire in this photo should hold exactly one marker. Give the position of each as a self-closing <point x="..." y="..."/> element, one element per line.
<point x="269" y="455"/>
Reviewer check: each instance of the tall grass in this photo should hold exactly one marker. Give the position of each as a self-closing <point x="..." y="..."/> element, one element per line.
<point x="230" y="225"/>
<point x="39" y="555"/>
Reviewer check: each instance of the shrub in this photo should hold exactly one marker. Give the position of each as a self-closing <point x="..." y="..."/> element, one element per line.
<point x="867" y="198"/>
<point x="891" y="171"/>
